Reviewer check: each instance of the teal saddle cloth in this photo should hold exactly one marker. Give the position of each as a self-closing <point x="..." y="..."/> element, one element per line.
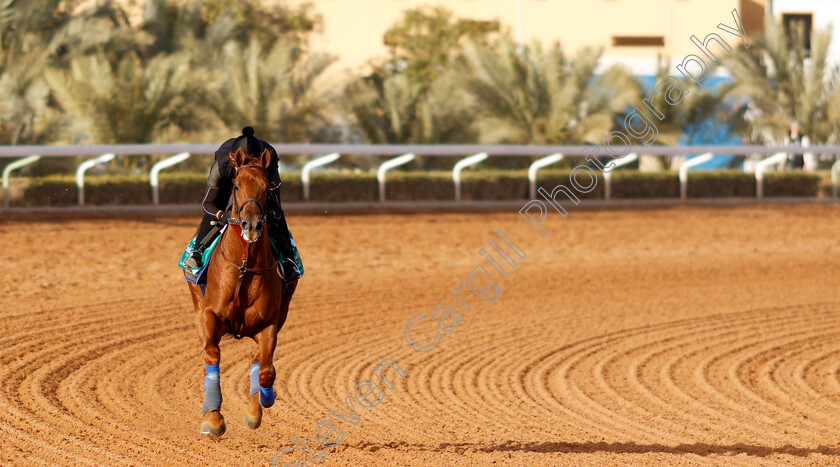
<point x="194" y="275"/>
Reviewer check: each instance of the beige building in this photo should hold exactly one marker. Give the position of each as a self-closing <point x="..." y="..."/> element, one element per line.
<point x="633" y="32"/>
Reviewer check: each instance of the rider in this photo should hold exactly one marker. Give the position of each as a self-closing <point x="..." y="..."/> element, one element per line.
<point x="219" y="189"/>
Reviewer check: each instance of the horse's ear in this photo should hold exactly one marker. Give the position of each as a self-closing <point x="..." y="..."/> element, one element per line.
<point x="238" y="158"/>
<point x="265" y="158"/>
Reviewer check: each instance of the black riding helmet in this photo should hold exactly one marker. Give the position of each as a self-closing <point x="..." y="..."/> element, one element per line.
<point x="247" y="143"/>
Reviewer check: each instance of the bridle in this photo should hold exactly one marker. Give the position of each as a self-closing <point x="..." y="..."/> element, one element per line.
<point x="243" y="267"/>
<point x="238" y="209"/>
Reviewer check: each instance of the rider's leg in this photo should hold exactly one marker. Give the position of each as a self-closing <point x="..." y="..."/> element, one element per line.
<point x="201" y="241"/>
<point x="279" y="232"/>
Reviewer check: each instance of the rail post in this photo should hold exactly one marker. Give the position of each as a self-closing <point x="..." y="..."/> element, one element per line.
<point x="460" y="166"/>
<point x="537" y="165"/>
<point x="388" y="165"/>
<point x="616" y="163"/>
<point x="317" y="162"/>
<point x="762" y="165"/>
<point x="155" y="172"/>
<point x="684" y="171"/>
<point x="7" y="172"/>
<point x="84" y="167"/>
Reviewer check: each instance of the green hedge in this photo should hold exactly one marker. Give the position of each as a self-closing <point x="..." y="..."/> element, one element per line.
<point x="800" y="184"/>
<point x="721" y="184"/>
<point x="645" y="185"/>
<point x="60" y="190"/>
<point x="188" y="188"/>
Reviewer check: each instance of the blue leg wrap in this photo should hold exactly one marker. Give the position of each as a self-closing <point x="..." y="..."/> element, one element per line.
<point x="255" y="380"/>
<point x="267" y="396"/>
<point x="212" y="390"/>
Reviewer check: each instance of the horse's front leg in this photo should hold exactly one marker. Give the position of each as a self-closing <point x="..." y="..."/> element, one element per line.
<point x="213" y="422"/>
<point x="198" y="306"/>
<point x="262" y="376"/>
<point x="253" y="413"/>
<point x="266" y="374"/>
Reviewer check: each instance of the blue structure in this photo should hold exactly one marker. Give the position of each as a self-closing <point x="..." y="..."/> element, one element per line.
<point x="707" y="132"/>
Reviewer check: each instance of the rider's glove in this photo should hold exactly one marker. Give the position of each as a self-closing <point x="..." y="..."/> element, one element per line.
<point x="224" y="217"/>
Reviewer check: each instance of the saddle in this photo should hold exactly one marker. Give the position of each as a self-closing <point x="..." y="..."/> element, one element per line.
<point x="199" y="275"/>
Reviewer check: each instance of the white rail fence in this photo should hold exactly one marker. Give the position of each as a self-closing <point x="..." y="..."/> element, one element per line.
<point x="84" y="167"/>
<point x="386" y="166"/>
<point x="155" y="172"/>
<point x="328" y="153"/>
<point x="460" y="166"/>
<point x="629" y="158"/>
<point x="702" y="159"/>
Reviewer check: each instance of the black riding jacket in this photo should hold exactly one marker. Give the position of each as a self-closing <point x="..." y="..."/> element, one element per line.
<point x="220" y="181"/>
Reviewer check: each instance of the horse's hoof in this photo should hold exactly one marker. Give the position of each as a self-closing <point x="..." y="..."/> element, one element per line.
<point x="213" y="424"/>
<point x="253" y="413"/>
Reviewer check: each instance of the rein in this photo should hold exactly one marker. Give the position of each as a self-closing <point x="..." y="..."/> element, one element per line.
<point x="243" y="267"/>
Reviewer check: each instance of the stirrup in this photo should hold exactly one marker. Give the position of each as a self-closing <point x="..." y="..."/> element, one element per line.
<point x="193" y="262"/>
<point x="290" y="273"/>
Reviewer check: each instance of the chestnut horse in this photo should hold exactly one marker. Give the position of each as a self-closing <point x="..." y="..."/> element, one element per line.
<point x="245" y="296"/>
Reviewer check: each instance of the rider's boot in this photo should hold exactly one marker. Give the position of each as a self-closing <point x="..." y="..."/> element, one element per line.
<point x="290" y="269"/>
<point x="279" y="232"/>
<point x="194" y="261"/>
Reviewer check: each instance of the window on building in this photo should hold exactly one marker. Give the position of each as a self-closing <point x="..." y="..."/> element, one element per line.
<point x="792" y="22"/>
<point x="643" y="41"/>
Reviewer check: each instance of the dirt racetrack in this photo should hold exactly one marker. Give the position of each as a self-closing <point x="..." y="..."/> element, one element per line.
<point x="678" y="336"/>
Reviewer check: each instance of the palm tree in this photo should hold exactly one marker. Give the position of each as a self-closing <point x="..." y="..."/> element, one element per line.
<point x="104" y="28"/>
<point x="184" y="26"/>
<point x="784" y="83"/>
<point x="39" y="34"/>
<point x="393" y="108"/>
<point x="131" y="103"/>
<point x="25" y="115"/>
<point x="34" y="21"/>
<point x="537" y="96"/>
<point x="279" y="91"/>
<point x="178" y="26"/>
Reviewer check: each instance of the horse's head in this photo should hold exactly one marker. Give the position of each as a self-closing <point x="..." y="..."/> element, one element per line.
<point x="250" y="186"/>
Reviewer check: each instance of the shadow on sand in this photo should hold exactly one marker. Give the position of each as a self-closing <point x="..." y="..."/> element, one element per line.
<point x="700" y="449"/>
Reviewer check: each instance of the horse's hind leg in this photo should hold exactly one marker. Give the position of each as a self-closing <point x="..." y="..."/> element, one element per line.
<point x="253" y="413"/>
<point x="288" y="291"/>
<point x="213" y="422"/>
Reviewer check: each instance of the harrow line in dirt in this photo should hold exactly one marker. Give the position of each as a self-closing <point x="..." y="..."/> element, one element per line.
<point x="707" y="337"/>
